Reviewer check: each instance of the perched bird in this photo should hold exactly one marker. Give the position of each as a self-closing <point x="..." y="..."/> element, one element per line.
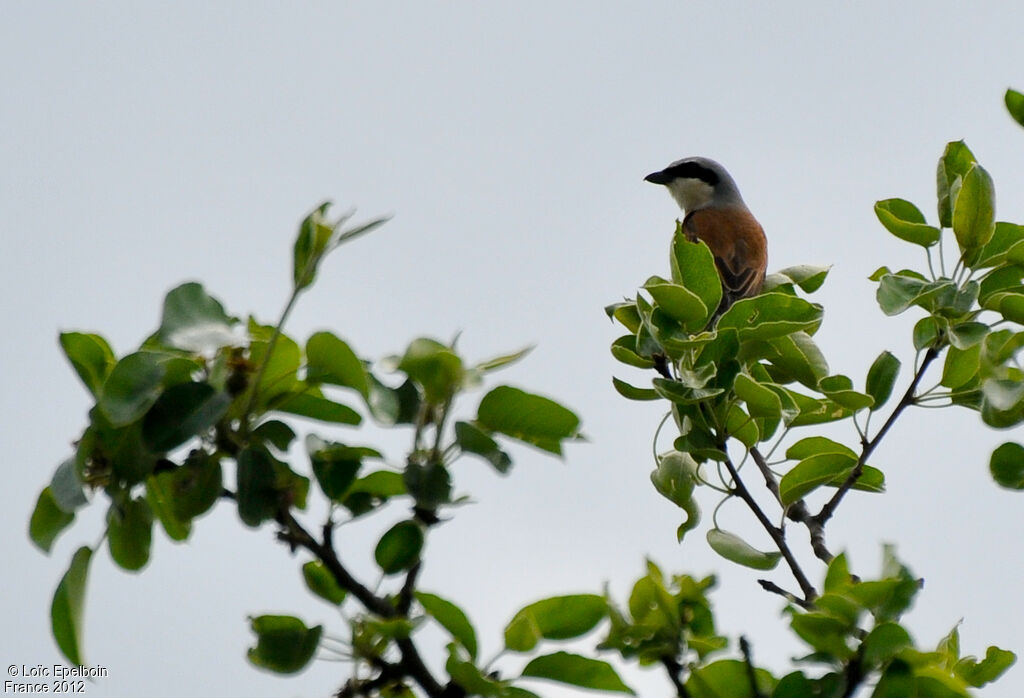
<point x="716" y="214"/>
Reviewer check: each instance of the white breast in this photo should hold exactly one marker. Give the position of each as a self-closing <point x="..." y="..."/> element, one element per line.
<point x="690" y="194"/>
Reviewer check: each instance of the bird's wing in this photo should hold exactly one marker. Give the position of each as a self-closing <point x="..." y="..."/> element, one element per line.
<point x="739" y="246"/>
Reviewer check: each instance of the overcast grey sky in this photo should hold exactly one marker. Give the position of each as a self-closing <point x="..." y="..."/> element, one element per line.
<point x="146" y="144"/>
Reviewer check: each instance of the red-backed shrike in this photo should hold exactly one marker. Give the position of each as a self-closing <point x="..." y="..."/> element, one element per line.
<point x="716" y="214"/>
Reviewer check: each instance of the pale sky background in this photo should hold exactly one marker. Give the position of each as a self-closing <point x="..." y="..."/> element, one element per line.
<point x="144" y="145"/>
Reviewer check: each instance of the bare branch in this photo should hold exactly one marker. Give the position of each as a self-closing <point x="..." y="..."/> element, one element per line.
<point x="774" y="588"/>
<point x="751" y="670"/>
<point x="908" y="399"/>
<point x="675" y="671"/>
<point x="776" y="533"/>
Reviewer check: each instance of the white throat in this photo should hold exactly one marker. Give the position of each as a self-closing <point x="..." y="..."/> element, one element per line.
<point x="690" y="194"/>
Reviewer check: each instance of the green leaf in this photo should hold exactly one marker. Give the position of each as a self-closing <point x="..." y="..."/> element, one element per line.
<point x="771" y="315"/>
<point x="162" y="500"/>
<point x="813" y="411"/>
<point x="728" y="678"/>
<point x="956" y="160"/>
<point x="1010" y="304"/>
<point x="813" y="472"/>
<point x="321" y="582"/>
<point x="1015" y="105"/>
<point x="451" y="618"/>
<point x="905" y="221"/>
<point x="90" y="356"/>
<point x="48" y="520"/>
<point x="472" y="439"/>
<point x="556" y="618"/>
<point x="884" y="642"/>
<point x="132" y="387"/>
<point x="196" y="322"/>
<point x="881" y="378"/>
<point x="194" y="487"/>
<point x="1000" y="280"/>
<point x="274" y="432"/>
<point x="330" y="360"/>
<point x="817" y="445"/>
<point x="283" y="643"/>
<point x="989" y="669"/>
<point x="808" y="277"/>
<point x="926" y="333"/>
<point x="825" y="633"/>
<point x="967" y="334"/>
<point x="469" y="677"/>
<point x="897" y="681"/>
<point x="181" y="413"/>
<point x="870" y="480"/>
<point x="430" y="485"/>
<point x="576" y="670"/>
<point x="68" y="605"/>
<point x="313" y="405"/>
<point x="693" y="266"/>
<point x="676" y="477"/>
<point x="735" y="549"/>
<point x="399" y="548"/>
<point x="435" y="367"/>
<point x="877" y="274"/>
<point x="624" y="350"/>
<point x="257" y="494"/>
<point x="1006" y="466"/>
<point x="961" y="366"/>
<point x="761" y="401"/>
<point x="336" y="465"/>
<point x="67" y="490"/>
<point x="795" y="685"/>
<point x="799" y="358"/>
<point x="631" y="392"/>
<point x="391" y="406"/>
<point x="678" y="302"/>
<point x="627" y="315"/>
<point x="527" y="417"/>
<point x="1004" y="247"/>
<point x="280" y="375"/>
<point x="130" y="533"/>
<point x="838" y="576"/>
<point x="311" y="244"/>
<point x="974" y="209"/>
<point x="679" y="393"/>
<point x="840" y="390"/>
<point x="503" y="360"/>
<point x="739" y="425"/>
<point x="897" y="293"/>
<point x="381" y="483"/>
<point x="1003" y="395"/>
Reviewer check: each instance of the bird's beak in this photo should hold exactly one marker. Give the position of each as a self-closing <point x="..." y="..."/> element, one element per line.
<point x="657" y="178"/>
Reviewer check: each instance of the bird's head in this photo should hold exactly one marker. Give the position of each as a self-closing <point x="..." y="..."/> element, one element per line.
<point x="697" y="183"/>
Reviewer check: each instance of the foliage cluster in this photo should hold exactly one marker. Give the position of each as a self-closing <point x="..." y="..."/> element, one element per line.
<point x="201" y="414"/>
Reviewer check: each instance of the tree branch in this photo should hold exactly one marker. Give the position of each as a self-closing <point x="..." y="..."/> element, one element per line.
<point x="774" y="588"/>
<point x="774" y="531"/>
<point x="411" y="663"/>
<point x="797" y="511"/>
<point x="908" y="399"/>
<point x="748" y="660"/>
<point x="675" y="669"/>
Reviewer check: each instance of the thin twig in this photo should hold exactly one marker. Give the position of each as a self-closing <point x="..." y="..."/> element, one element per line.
<point x="411" y="663"/>
<point x="908" y="399"/>
<point x="797" y="511"/>
<point x="751" y="671"/>
<point x="774" y="588"/>
<point x="774" y="531"/>
<point x="405" y="596"/>
<point x="675" y="669"/>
